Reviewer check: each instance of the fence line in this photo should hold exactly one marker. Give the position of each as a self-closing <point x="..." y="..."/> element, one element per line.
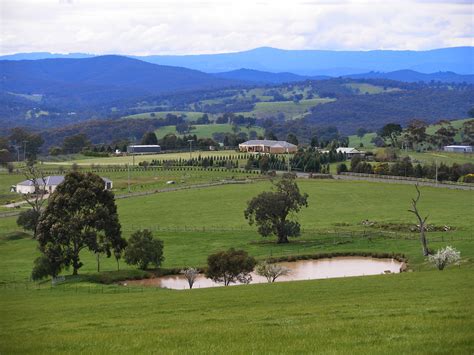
<point x="411" y="179"/>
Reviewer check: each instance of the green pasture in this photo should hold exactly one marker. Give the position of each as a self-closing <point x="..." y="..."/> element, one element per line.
<point x="207" y="130"/>
<point x="189" y="115"/>
<point x="449" y="158"/>
<point x="425" y="311"/>
<point x="370" y="89"/>
<point x="124" y="160"/>
<point x="366" y="140"/>
<point x="194" y="223"/>
<point x="290" y="109"/>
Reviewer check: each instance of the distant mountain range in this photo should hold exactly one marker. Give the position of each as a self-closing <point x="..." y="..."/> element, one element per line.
<point x="309" y="62"/>
<point x="409" y="76"/>
<point x="94" y="78"/>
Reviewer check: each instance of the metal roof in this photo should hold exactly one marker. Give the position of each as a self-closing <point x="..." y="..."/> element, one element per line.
<point x="53" y="180"/>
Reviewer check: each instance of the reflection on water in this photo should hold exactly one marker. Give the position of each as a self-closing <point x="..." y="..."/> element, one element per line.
<point x="300" y="270"/>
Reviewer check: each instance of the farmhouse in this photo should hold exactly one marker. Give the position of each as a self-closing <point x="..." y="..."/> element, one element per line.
<point x="350" y="152"/>
<point x="458" y="148"/>
<point x="49" y="184"/>
<point x="143" y="149"/>
<point x="267" y="146"/>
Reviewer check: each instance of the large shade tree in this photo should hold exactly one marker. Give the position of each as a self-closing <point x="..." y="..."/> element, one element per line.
<point x="80" y="214"/>
<point x="270" y="210"/>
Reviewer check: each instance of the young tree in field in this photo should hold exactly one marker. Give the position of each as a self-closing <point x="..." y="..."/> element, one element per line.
<point x="29" y="219"/>
<point x="444" y="257"/>
<point x="230" y="266"/>
<point x="80" y="215"/>
<point x="191" y="275"/>
<point x="44" y="267"/>
<point x="392" y="132"/>
<point x="271" y="271"/>
<point x="270" y="210"/>
<point x="421" y="221"/>
<point x="143" y="250"/>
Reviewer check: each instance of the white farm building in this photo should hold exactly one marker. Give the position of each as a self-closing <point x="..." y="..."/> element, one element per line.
<point x="49" y="184"/>
<point x="350" y="152"/>
<point x="267" y="146"/>
<point x="458" y="148"/>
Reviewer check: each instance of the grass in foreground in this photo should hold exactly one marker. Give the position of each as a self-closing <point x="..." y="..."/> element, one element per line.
<point x="425" y="312"/>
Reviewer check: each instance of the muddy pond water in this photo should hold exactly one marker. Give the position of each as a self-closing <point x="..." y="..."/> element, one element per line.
<point x="300" y="270"/>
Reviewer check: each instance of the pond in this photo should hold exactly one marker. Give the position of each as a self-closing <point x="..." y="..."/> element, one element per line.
<point x="300" y="270"/>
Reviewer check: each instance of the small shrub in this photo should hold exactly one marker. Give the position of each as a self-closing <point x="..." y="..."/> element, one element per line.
<point x="444" y="257"/>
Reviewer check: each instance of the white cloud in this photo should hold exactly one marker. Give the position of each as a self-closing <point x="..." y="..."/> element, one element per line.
<point x="182" y="27"/>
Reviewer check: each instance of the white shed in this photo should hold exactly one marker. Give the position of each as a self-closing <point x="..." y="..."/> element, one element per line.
<point x="48" y="184"/>
<point x="458" y="148"/>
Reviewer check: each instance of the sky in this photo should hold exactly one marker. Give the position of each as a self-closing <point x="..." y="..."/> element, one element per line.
<point x="144" y="27"/>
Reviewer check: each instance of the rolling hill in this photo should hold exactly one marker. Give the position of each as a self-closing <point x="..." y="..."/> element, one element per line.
<point x="104" y="78"/>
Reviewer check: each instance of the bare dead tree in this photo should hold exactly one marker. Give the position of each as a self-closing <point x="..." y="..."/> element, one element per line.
<point x="37" y="198"/>
<point x="421" y="221"/>
<point x="271" y="271"/>
<point x="190" y="274"/>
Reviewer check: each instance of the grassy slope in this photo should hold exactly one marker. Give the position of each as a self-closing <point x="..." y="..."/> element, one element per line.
<point x="123" y="160"/>
<point x="426" y="313"/>
<point x="206" y="131"/>
<point x="290" y="109"/>
<point x="365" y="88"/>
<point x="190" y="115"/>
<point x="354" y="141"/>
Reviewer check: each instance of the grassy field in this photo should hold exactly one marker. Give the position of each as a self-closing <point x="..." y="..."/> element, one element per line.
<point x="194" y="223"/>
<point x="426" y="311"/>
<point x="366" y="140"/>
<point x="423" y="313"/>
<point x="440" y="157"/>
<point x="190" y="115"/>
<point x="123" y="160"/>
<point x="290" y="109"/>
<point x="370" y="89"/>
<point x="206" y="131"/>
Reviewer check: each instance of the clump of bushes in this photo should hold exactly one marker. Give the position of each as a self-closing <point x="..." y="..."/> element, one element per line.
<point x="143" y="250"/>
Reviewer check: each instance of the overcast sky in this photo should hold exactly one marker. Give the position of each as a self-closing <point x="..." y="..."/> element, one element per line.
<point x="142" y="27"/>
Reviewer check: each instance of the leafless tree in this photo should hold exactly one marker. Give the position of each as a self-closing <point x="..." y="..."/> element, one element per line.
<point x="191" y="275"/>
<point x="271" y="271"/>
<point x="37" y="198"/>
<point x="421" y="221"/>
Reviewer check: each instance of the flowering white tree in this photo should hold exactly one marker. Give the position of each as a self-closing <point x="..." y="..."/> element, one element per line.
<point x="190" y="274"/>
<point x="444" y="257"/>
<point x="271" y="271"/>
